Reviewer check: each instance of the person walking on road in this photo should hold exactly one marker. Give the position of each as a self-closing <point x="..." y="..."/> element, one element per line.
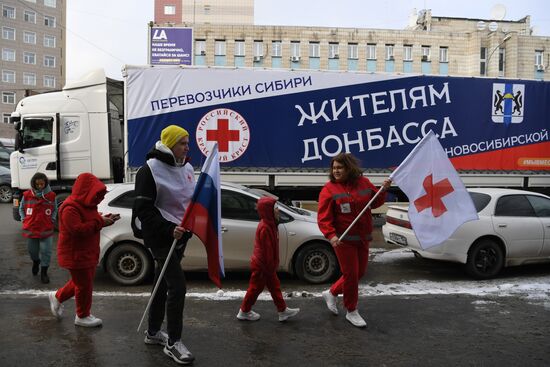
<point x="38" y="212"/>
<point x="78" y="247"/>
<point x="340" y="202"/>
<point x="164" y="188"/>
<point x="264" y="264"/>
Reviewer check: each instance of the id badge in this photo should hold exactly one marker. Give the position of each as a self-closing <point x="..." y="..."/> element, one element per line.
<point x="29" y="211"/>
<point x="345" y="208"/>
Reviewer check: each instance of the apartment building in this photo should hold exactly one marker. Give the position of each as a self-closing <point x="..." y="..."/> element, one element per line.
<point x="33" y="52"/>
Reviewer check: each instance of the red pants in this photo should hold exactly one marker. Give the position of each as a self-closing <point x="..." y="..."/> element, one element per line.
<point x="80" y="286"/>
<point x="353" y="258"/>
<point x="259" y="280"/>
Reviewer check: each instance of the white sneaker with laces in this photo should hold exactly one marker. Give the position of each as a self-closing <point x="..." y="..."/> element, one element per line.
<point x="179" y="353"/>
<point x="88" y="321"/>
<point x="355" y="319"/>
<point x="330" y="300"/>
<point x="288" y="313"/>
<point x="160" y="338"/>
<point x="250" y="315"/>
<point x="55" y="306"/>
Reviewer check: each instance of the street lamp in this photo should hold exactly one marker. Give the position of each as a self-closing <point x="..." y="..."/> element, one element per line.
<point x="492" y="52"/>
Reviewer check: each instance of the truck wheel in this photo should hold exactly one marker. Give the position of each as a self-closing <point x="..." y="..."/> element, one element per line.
<point x="485" y="259"/>
<point x="129" y="264"/>
<point x="6" y="194"/>
<point x="316" y="263"/>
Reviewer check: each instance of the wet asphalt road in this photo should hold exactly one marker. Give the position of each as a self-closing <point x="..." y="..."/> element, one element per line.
<point x="430" y="330"/>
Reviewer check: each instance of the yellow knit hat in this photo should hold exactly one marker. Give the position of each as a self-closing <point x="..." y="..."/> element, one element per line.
<point x="171" y="135"/>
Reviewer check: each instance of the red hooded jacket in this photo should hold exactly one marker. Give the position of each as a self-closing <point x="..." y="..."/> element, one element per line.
<point x="339" y="205"/>
<point x="80" y="223"/>
<point x="266" y="244"/>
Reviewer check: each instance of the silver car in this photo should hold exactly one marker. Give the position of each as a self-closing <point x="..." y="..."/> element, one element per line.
<point x="303" y="249"/>
<point x="513" y="229"/>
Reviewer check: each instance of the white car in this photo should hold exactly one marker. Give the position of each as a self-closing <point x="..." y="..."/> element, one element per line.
<point x="303" y="249"/>
<point x="513" y="229"/>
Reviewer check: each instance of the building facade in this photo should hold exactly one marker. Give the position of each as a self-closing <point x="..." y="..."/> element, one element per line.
<point x="33" y="52"/>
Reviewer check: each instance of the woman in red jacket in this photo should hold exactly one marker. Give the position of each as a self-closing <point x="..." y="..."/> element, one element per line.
<point x="78" y="246"/>
<point x="264" y="264"/>
<point x="340" y="202"/>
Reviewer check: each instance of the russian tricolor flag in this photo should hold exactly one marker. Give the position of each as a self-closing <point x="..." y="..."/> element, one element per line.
<point x="203" y="215"/>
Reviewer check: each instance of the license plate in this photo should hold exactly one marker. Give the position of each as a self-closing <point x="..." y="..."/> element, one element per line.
<point x="397" y="238"/>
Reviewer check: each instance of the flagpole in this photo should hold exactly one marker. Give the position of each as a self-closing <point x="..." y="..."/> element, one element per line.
<point x="360" y="214"/>
<point x="158" y="283"/>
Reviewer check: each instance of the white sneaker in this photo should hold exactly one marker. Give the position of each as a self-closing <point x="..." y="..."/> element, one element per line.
<point x="355" y="319"/>
<point x="179" y="353"/>
<point x="88" y="321"/>
<point x="288" y="313"/>
<point x="250" y="315"/>
<point x="160" y="338"/>
<point x="55" y="306"/>
<point x="330" y="300"/>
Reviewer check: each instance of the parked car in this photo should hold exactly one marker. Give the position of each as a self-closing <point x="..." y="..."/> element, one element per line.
<point x="6" y="192"/>
<point x="513" y="229"/>
<point x="5" y="156"/>
<point x="303" y="249"/>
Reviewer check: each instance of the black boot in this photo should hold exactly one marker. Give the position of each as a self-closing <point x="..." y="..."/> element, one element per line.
<point x="44" y="275"/>
<point x="35" y="265"/>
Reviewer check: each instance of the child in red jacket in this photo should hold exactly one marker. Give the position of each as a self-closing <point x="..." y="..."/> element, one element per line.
<point x="78" y="246"/>
<point x="38" y="210"/>
<point x="264" y="264"/>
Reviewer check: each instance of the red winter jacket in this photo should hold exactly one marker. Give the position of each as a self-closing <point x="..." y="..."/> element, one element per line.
<point x="80" y="223"/>
<point x="38" y="213"/>
<point x="339" y="205"/>
<point x="266" y="244"/>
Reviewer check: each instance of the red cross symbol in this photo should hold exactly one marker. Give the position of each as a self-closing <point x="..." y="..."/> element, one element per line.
<point x="223" y="135"/>
<point x="433" y="196"/>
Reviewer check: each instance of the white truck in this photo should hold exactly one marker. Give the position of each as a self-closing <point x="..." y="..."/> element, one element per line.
<point x="278" y="129"/>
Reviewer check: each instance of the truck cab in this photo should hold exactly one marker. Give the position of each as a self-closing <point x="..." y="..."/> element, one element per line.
<point x="68" y="132"/>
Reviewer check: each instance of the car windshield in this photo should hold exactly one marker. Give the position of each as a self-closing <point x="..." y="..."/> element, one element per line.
<point x="480" y="200"/>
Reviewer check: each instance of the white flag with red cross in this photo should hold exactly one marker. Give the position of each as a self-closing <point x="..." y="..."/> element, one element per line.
<point x="438" y="200"/>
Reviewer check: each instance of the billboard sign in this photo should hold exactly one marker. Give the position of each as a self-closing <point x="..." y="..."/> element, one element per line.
<point x="170" y="46"/>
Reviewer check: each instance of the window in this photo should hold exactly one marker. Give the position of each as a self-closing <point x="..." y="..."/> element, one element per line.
<point x="480" y="200"/>
<point x="8" y="12"/>
<point x="8" y="33"/>
<point x="29" y="58"/>
<point x="6" y="120"/>
<point x="482" y="60"/>
<point x="407" y="53"/>
<point x="49" y="21"/>
<point x="238" y="206"/>
<point x="514" y="206"/>
<point x="8" y="54"/>
<point x="314" y="49"/>
<point x="29" y="78"/>
<point x="219" y="48"/>
<point x="50" y="3"/>
<point x="353" y="51"/>
<point x="49" y="41"/>
<point x="333" y="49"/>
<point x="501" y="61"/>
<point x="425" y="53"/>
<point x="371" y="51"/>
<point x="169" y="10"/>
<point x="539" y="59"/>
<point x="258" y="49"/>
<point x="49" y="61"/>
<point x="276" y="49"/>
<point x="389" y="52"/>
<point x="31" y="1"/>
<point x="8" y="97"/>
<point x="295" y="49"/>
<point x="200" y="47"/>
<point x="49" y="81"/>
<point x="239" y="48"/>
<point x="540" y="204"/>
<point x="29" y="37"/>
<point x="29" y="16"/>
<point x="37" y="132"/>
<point x="126" y="200"/>
<point x="443" y="54"/>
<point x="8" y="76"/>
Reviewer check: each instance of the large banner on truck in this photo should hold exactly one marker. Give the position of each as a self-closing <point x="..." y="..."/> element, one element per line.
<point x="301" y="119"/>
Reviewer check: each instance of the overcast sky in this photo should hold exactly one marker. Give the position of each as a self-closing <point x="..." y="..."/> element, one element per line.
<point x="108" y="34"/>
